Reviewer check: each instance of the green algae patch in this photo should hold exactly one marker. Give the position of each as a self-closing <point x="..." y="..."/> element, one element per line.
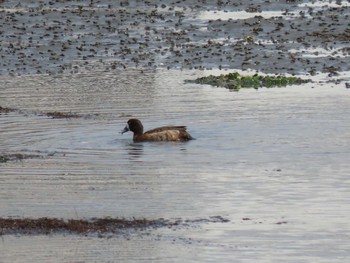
<point x="235" y="81"/>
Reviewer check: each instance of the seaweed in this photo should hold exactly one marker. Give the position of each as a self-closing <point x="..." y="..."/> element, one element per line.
<point x="16" y="157"/>
<point x="50" y="114"/>
<point x="4" y="158"/>
<point x="62" y="115"/>
<point x="235" y="81"/>
<point x="6" y="110"/>
<point x="46" y="225"/>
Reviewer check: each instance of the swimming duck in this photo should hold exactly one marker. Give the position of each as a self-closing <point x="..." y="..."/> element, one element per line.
<point x="165" y="133"/>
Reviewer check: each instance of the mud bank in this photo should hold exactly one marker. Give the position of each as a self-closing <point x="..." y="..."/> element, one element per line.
<point x="285" y="37"/>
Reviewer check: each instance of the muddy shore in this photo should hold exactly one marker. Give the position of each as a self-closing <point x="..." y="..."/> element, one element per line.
<point x="296" y="37"/>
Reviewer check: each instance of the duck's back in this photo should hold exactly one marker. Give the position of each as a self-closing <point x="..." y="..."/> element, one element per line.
<point x="167" y="128"/>
<point x="166" y="133"/>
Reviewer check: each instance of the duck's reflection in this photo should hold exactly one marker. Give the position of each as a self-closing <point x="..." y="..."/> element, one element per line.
<point x="134" y="150"/>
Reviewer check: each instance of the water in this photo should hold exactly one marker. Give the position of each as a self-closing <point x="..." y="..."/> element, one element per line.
<point x="272" y="161"/>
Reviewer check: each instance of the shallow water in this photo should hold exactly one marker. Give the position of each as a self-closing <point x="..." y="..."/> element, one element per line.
<point x="272" y="161"/>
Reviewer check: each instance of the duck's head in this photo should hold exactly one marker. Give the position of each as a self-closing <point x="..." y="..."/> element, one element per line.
<point x="133" y="125"/>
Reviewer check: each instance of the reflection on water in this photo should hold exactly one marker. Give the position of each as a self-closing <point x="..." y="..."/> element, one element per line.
<point x="273" y="161"/>
<point x="134" y="150"/>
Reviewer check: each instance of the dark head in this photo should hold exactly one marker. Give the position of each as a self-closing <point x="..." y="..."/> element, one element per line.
<point x="135" y="126"/>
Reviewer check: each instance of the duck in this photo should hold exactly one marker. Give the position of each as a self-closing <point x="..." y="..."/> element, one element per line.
<point x="165" y="133"/>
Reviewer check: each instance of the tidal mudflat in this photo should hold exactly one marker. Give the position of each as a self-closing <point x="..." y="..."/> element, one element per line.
<point x="284" y="37"/>
<point x="266" y="179"/>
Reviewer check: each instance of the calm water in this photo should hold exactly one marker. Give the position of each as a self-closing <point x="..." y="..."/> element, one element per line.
<point x="278" y="157"/>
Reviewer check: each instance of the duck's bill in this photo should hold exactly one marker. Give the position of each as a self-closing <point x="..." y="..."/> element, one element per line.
<point x="126" y="129"/>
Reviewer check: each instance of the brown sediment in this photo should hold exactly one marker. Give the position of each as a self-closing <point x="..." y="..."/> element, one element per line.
<point x="67" y="115"/>
<point x="16" y="157"/>
<point x="62" y="115"/>
<point x="51" y="114"/>
<point x="6" y="110"/>
<point x="78" y="226"/>
<point x="45" y="225"/>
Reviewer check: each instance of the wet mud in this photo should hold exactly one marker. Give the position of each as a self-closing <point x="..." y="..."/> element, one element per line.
<point x="274" y="37"/>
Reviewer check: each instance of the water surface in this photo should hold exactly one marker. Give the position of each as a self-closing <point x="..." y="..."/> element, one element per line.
<point x="272" y="161"/>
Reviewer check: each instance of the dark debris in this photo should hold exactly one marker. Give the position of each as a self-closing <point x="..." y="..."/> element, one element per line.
<point x="17" y="157"/>
<point x="45" y="225"/>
